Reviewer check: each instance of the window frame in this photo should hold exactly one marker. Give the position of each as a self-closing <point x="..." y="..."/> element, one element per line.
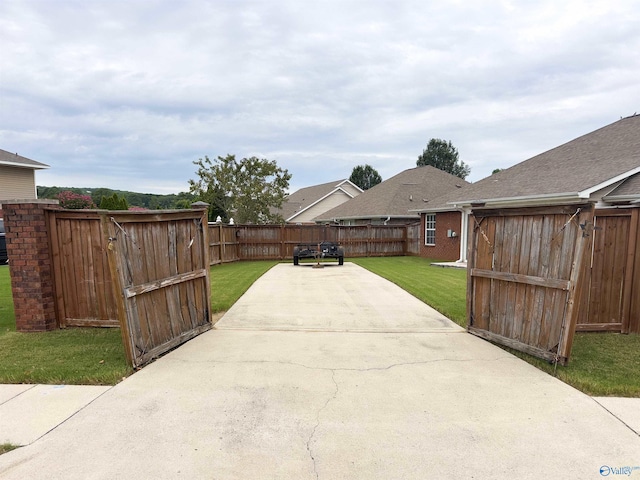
<point x="430" y="229"/>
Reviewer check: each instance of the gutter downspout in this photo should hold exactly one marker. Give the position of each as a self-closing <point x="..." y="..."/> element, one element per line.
<point x="464" y="233"/>
<point x="388" y="218"/>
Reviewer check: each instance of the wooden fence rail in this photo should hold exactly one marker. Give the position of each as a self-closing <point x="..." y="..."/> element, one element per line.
<point x="230" y="243"/>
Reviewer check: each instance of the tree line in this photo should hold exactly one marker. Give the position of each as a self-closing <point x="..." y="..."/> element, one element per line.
<point x="148" y="201"/>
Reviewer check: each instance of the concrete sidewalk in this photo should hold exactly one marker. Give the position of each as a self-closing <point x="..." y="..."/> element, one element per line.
<point x="370" y="392"/>
<point x="27" y="412"/>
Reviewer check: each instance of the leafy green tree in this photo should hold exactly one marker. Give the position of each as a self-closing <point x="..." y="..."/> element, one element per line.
<point x="496" y="170"/>
<point x="365" y="176"/>
<point x="247" y="190"/>
<point x="443" y="156"/>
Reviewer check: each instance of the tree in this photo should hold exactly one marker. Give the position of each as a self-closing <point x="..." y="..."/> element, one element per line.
<point x="444" y="156"/>
<point x="496" y="170"/>
<point x="246" y="190"/>
<point x="365" y="176"/>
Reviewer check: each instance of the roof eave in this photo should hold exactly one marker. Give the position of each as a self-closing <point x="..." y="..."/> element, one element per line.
<point x="621" y="198"/>
<point x="364" y="217"/>
<point x="531" y="200"/>
<point x="453" y="208"/>
<point x="41" y="166"/>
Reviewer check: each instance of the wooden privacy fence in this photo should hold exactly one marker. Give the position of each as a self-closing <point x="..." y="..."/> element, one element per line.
<point x="147" y="272"/>
<point x="611" y="295"/>
<point x="524" y="270"/>
<point x="84" y="294"/>
<point x="229" y="243"/>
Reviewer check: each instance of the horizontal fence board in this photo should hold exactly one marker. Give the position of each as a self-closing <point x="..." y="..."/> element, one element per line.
<point x="91" y="322"/>
<point x="511" y="343"/>
<point x="159" y="350"/>
<point x="165" y="282"/>
<point x="518" y="278"/>
<point x="599" y="327"/>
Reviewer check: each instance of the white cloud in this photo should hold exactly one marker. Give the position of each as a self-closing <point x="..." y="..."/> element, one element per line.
<point x="127" y="94"/>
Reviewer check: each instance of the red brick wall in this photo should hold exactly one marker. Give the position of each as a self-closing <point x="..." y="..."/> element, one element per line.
<point x="30" y="265"/>
<point x="446" y="249"/>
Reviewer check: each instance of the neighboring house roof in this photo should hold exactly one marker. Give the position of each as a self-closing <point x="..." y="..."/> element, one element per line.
<point x="396" y="196"/>
<point x="305" y="198"/>
<point x="15" y="160"/>
<point x="569" y="173"/>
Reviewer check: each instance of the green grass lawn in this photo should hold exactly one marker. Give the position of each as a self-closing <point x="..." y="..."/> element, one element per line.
<point x="601" y="364"/>
<point x="229" y="281"/>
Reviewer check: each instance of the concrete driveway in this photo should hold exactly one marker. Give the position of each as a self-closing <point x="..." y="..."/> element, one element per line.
<point x="333" y="373"/>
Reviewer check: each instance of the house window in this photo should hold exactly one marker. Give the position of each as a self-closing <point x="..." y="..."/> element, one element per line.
<point x="430" y="229"/>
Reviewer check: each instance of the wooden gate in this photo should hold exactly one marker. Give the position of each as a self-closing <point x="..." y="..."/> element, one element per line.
<point x="524" y="267"/>
<point x="159" y="264"/>
<point x="612" y="276"/>
<point x="83" y="288"/>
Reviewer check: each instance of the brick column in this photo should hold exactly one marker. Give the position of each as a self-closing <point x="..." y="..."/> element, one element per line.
<point x="30" y="264"/>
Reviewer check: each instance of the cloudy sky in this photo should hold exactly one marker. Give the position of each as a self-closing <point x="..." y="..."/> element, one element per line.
<point x="127" y="94"/>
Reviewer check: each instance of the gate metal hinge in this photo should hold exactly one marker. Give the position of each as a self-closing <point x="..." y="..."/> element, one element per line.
<point x="587" y="228"/>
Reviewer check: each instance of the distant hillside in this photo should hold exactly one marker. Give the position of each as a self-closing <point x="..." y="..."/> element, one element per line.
<point x="146" y="200"/>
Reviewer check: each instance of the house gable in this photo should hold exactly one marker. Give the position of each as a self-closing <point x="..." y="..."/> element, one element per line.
<point x="306" y="203"/>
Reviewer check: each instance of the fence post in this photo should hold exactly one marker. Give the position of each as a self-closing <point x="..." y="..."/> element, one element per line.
<point x="222" y="247"/>
<point x="30" y="264"/>
<point x="282" y="252"/>
<point x="405" y="239"/>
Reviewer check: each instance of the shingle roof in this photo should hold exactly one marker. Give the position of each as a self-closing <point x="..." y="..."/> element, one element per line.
<point x="15" y="160"/>
<point x="305" y="197"/>
<point x="397" y="195"/>
<point x="576" y="167"/>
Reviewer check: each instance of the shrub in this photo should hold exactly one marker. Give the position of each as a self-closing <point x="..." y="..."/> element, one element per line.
<point x="114" y="202"/>
<point x="75" y="201"/>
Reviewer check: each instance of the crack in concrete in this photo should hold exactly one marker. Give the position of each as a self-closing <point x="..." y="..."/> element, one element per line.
<point x="616" y="416"/>
<point x="313" y="432"/>
<point x="347" y="369"/>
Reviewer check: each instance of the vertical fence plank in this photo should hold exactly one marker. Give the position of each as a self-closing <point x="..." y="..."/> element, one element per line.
<point x="632" y="251"/>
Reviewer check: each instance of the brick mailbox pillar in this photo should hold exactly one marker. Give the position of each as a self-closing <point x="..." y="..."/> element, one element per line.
<point x="30" y="264"/>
